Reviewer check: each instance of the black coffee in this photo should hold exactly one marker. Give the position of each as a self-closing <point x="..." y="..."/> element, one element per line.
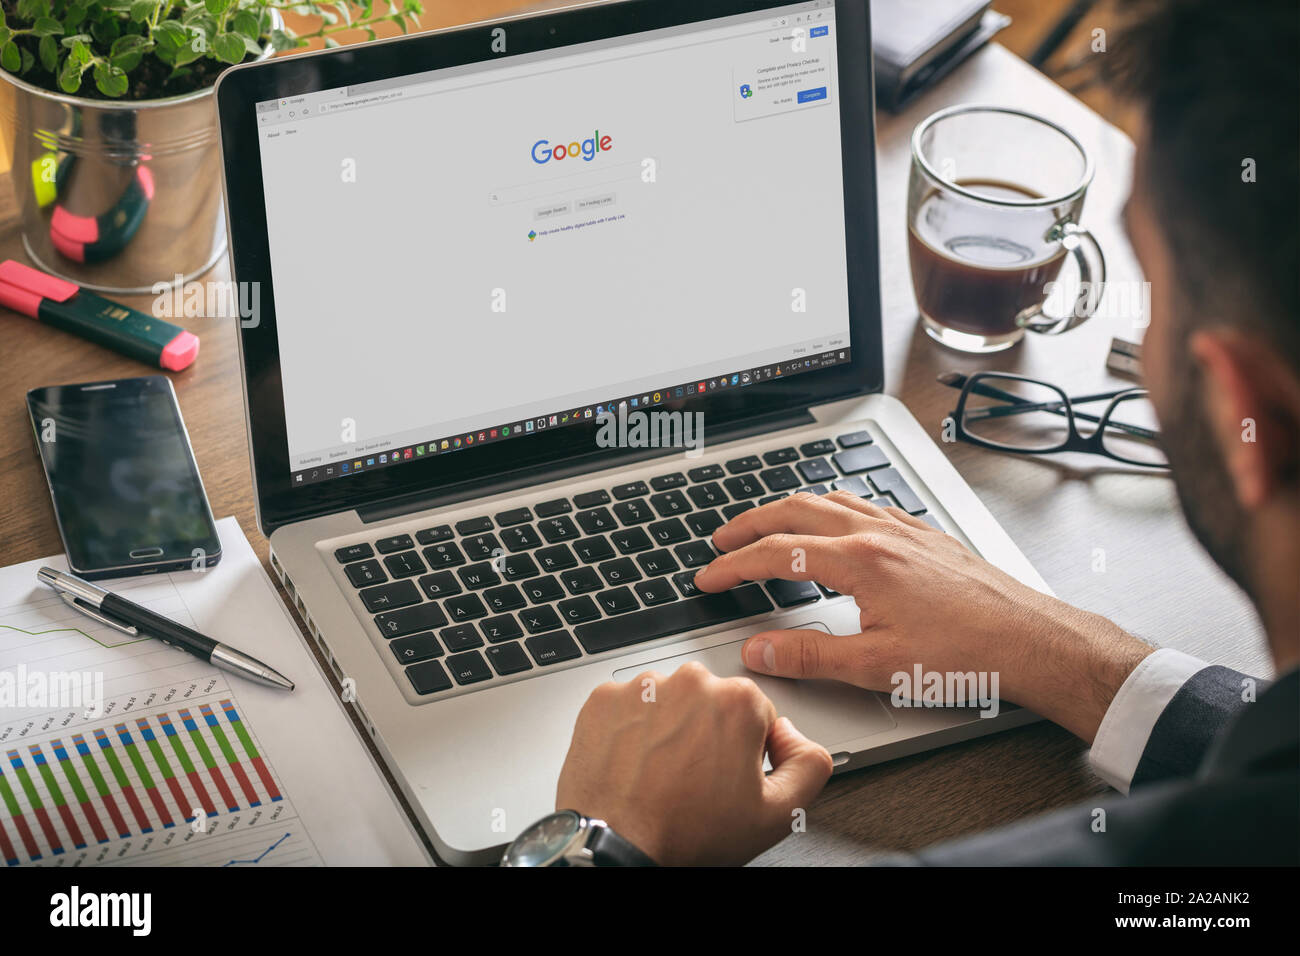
<point x="974" y="268"/>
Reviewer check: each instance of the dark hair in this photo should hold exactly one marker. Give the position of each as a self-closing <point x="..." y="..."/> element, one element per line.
<point x="1218" y="83"/>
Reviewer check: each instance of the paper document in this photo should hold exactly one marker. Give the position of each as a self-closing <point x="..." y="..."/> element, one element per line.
<point x="117" y="750"/>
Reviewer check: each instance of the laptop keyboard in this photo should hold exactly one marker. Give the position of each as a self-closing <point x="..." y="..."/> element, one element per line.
<point x="523" y="589"/>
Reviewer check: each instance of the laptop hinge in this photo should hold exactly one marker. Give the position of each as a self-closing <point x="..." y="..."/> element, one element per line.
<point x="586" y="464"/>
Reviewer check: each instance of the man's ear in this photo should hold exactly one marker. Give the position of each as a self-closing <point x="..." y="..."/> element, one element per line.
<point x="1252" y="400"/>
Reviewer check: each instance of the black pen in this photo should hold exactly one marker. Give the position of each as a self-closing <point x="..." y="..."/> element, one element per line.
<point x="128" y="617"/>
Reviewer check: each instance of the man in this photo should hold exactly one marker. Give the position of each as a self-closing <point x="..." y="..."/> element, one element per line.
<point x="1211" y="755"/>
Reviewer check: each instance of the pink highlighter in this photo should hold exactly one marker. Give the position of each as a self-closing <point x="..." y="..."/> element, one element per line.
<point x="67" y="306"/>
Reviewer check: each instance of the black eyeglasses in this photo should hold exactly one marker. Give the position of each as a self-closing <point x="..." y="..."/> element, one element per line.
<point x="1013" y="413"/>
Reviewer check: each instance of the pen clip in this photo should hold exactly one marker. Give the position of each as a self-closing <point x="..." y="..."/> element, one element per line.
<point x="99" y="616"/>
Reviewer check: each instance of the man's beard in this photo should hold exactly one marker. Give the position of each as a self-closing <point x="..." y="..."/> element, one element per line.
<point x="1205" y="488"/>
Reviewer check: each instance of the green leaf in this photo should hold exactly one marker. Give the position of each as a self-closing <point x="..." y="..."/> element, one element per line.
<point x="47" y="27"/>
<point x="345" y="11"/>
<point x="229" y="48"/>
<point x="70" y="76"/>
<point x="331" y="43"/>
<point x="399" y="20"/>
<point x="10" y="58"/>
<point x="142" y="10"/>
<point x="110" y="80"/>
<point x="48" y="51"/>
<point x="29" y="61"/>
<point x="130" y="43"/>
<point x="216" y="7"/>
<point x="282" y="41"/>
<point x="106" y="31"/>
<point x="81" y="52"/>
<point x="245" y="22"/>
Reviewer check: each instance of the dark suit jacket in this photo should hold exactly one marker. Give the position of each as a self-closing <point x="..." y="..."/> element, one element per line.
<point x="1218" y="783"/>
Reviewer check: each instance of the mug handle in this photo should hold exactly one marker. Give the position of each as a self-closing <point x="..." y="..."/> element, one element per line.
<point x="1092" y="279"/>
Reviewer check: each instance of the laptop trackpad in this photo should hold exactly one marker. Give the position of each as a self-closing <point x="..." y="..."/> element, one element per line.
<point x="829" y="712"/>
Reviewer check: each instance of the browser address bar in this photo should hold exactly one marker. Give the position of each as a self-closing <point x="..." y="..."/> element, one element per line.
<point x="562" y="185"/>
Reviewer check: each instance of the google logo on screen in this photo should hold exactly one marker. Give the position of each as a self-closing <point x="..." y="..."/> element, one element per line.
<point x="544" y="152"/>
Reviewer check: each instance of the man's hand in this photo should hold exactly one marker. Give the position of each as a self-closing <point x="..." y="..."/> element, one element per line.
<point x="924" y="599"/>
<point x="675" y="765"/>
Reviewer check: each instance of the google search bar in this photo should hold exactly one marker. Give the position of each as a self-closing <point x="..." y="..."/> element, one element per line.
<point x="562" y="185"/>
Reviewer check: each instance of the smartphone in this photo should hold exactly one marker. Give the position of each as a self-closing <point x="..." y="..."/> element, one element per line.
<point x="126" y="490"/>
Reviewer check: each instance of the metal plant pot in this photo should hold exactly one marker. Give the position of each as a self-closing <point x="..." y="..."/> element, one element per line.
<point x="115" y="196"/>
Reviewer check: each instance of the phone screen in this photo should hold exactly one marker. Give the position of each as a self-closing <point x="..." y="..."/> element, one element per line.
<point x="126" y="490"/>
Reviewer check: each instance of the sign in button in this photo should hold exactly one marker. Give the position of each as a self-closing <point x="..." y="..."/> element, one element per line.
<point x="807" y="96"/>
<point x="819" y="31"/>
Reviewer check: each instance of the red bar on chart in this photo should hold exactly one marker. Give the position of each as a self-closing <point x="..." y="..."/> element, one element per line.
<point x="123" y="782"/>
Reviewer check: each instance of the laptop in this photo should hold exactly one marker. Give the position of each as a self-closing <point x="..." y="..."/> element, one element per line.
<point x="542" y="302"/>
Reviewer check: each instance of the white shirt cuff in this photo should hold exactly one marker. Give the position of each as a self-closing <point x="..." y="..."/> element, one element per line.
<point x="1132" y="715"/>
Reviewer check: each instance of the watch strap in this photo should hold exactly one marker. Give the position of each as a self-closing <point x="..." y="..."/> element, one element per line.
<point x="609" y="849"/>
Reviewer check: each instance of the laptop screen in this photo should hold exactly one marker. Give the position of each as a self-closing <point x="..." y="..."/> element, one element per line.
<point x="480" y="253"/>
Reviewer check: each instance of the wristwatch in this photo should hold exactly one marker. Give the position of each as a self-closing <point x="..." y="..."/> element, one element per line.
<point x="567" y="838"/>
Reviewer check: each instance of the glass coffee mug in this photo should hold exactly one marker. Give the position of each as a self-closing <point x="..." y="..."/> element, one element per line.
<point x="993" y="207"/>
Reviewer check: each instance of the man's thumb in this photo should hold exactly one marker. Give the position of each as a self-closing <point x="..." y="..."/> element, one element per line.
<point x="800" y="767"/>
<point x="800" y="653"/>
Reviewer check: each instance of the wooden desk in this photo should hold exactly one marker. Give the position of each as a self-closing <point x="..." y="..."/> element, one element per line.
<point x="1156" y="581"/>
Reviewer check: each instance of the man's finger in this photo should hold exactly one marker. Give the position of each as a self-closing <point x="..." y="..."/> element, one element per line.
<point x="800" y="768"/>
<point x="789" y="556"/>
<point x="806" y="653"/>
<point x="799" y="514"/>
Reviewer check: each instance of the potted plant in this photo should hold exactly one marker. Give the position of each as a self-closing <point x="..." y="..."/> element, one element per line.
<point x="108" y="125"/>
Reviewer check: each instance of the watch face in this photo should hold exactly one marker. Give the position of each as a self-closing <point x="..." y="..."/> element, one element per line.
<point x="544" y="839"/>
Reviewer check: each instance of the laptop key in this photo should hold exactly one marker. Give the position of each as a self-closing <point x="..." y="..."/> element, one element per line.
<point x="771" y="498"/>
<point x="422" y="617"/>
<point x="590" y="499"/>
<point x="620" y="571"/>
<point x="416" y="648"/>
<point x="851" y="461"/>
<point x="544" y="590"/>
<point x="481" y="546"/>
<point x="354" y="552"/>
<point x="731" y="511"/>
<point x="468" y="668"/>
<point x="481" y="575"/>
<point x="387" y="597"/>
<point x="518" y="567"/>
<point x="813" y="490"/>
<point x="889" y="479"/>
<point x="854" y="484"/>
<point x="539" y="619"/>
<point x="704" y="523"/>
<point x="815" y="470"/>
<point x="706" y="473"/>
<point x="749" y="463"/>
<point x="780" y="479"/>
<point x="633" y="489"/>
<point x="503" y="627"/>
<point x="592" y="549"/>
<point x="669" y="532"/>
<point x="668" y="482"/>
<point x="555" y="559"/>
<point x="461" y="637"/>
<point x="514" y="516"/>
<point x="474" y="525"/>
<point x="617" y="601"/>
<point x="404" y="564"/>
<point x="520" y="538"/>
<point x="578" y="610"/>
<point x="582" y="580"/>
<point x="790" y="593"/>
<point x="441" y="584"/>
<point x="932" y="521"/>
<point x="670" y="503"/>
<point x="505" y="598"/>
<point x="694" y="554"/>
<point x="443" y="555"/>
<point x="707" y="496"/>
<point x="814" y="449"/>
<point x="428" y="678"/>
<point x="674" y="618"/>
<point x="780" y="456"/>
<point x="508" y="659"/>
<point x="549" y="509"/>
<point x="631" y="540"/>
<point x="741" y="487"/>
<point x="634" y="512"/>
<point x="854" y="439"/>
<point x="465" y="607"/>
<point x="552" y="648"/>
<point x="365" y="573"/>
<point x="399" y="542"/>
<point x="656" y="592"/>
<point x="596" y="521"/>
<point x="558" y="529"/>
<point x="433" y="535"/>
<point x="657" y="562"/>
